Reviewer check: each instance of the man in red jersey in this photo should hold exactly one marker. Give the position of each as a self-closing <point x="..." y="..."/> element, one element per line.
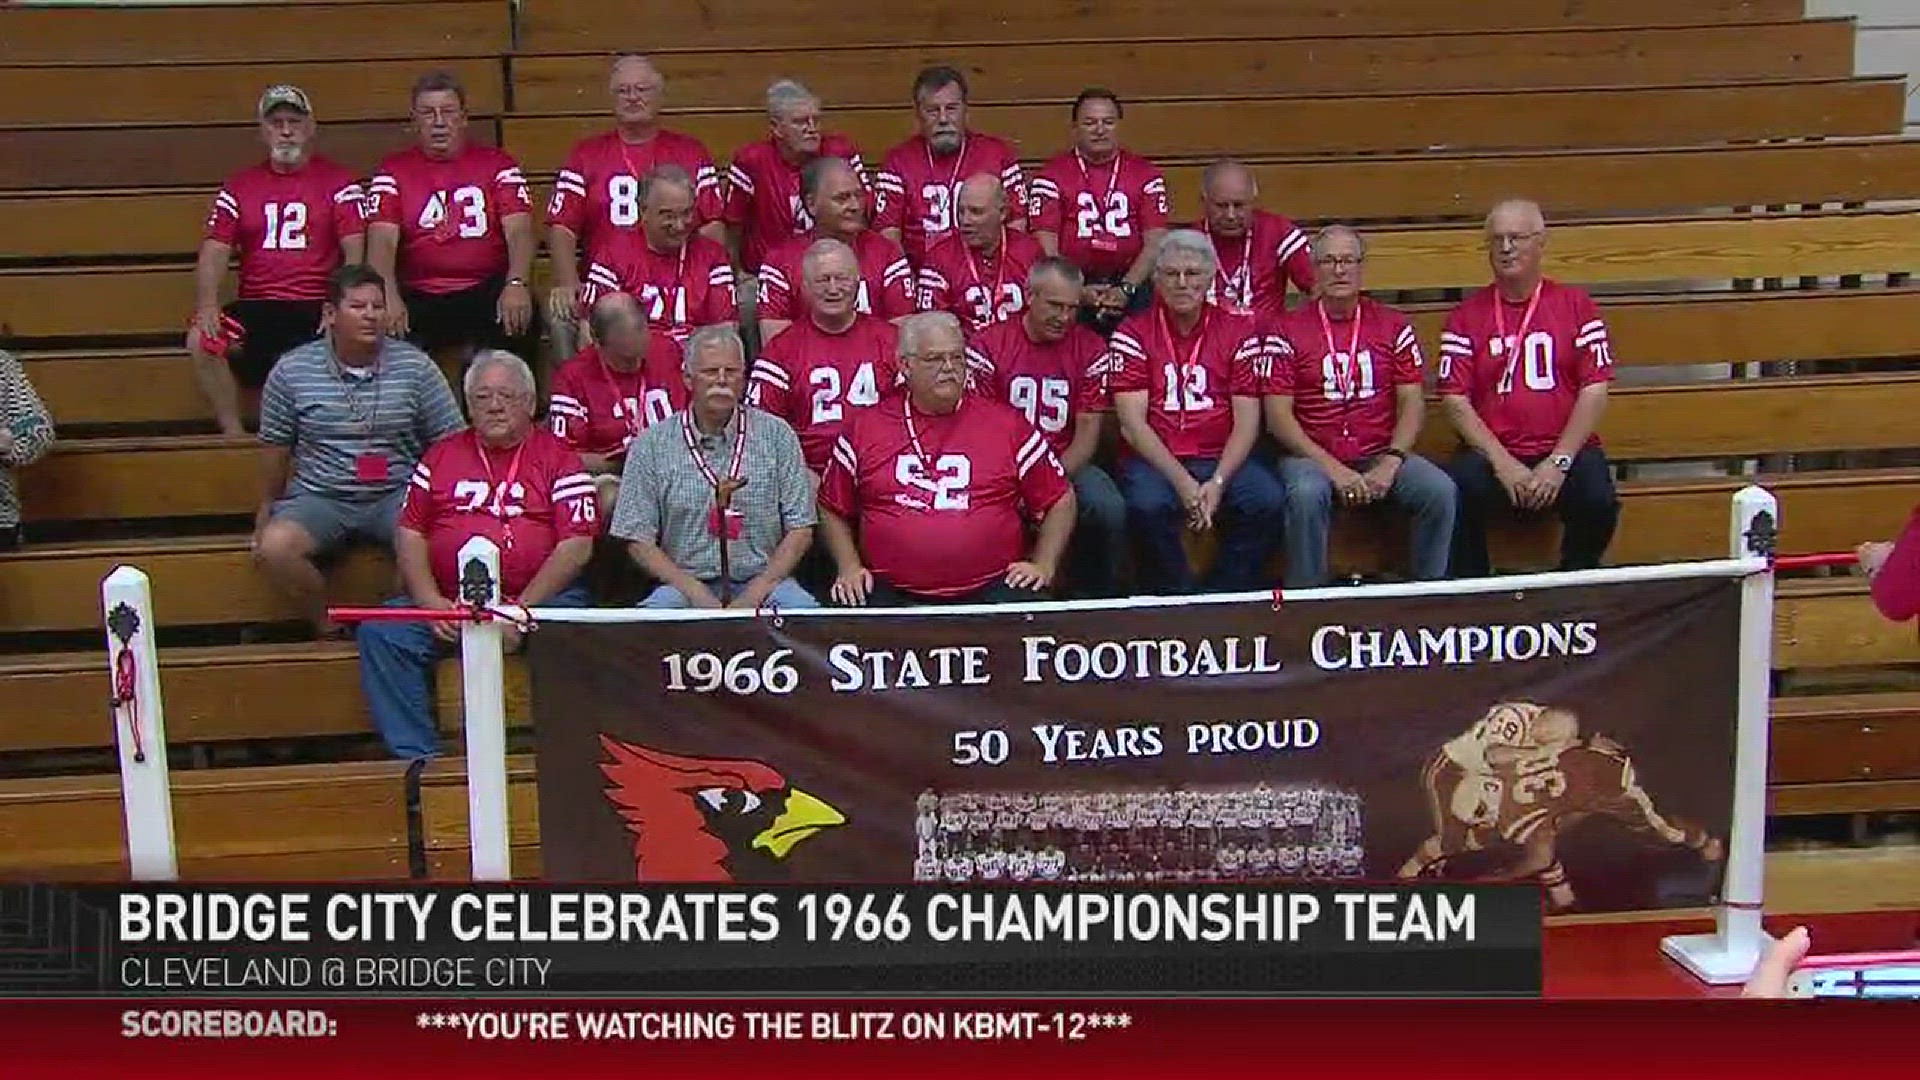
<point x="836" y="202"/>
<point x="763" y="204"/>
<point x="1054" y="371"/>
<point x="1524" y="368"/>
<point x="507" y="480"/>
<point x="940" y="485"/>
<point x="1186" y="384"/>
<point x="1101" y="207"/>
<point x="599" y="194"/>
<point x="831" y="362"/>
<point x="979" y="272"/>
<point x="612" y="390"/>
<point x="291" y="220"/>
<point x="454" y="219"/>
<point x="1345" y="401"/>
<point x="1260" y="253"/>
<point x="919" y="183"/>
<point x="683" y="279"/>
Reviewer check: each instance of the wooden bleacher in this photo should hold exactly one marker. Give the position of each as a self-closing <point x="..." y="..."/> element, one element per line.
<point x="1378" y="111"/>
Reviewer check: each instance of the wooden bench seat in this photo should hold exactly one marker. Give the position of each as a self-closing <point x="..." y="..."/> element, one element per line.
<point x="1454" y="120"/>
<point x="1832" y="623"/>
<point x="215" y="694"/>
<point x="285" y="822"/>
<point x="138" y="477"/>
<point x="164" y="93"/>
<point x="585" y="25"/>
<point x="197" y="581"/>
<point x="88" y="388"/>
<point x="160" y="222"/>
<point x="1183" y="65"/>
<point x="153" y="34"/>
<point x="1661" y="249"/>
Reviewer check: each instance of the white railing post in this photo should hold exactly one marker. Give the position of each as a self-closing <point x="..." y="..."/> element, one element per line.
<point x="1728" y="954"/>
<point x="139" y="725"/>
<point x="483" y="673"/>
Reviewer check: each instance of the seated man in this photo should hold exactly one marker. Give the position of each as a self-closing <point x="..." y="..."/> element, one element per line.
<point x="451" y="229"/>
<point x="26" y="434"/>
<point x="1260" y="253"/>
<point x="1186" y="385"/>
<point x="831" y="361"/>
<point x="610" y="391"/>
<point x="763" y="205"/>
<point x="1524" y="368"/>
<point x="343" y="420"/>
<point x="507" y="480"/>
<point x="919" y="181"/>
<point x="683" y="279"/>
<point x="1052" y="369"/>
<point x="1345" y="401"/>
<point x="1103" y="208"/>
<point x="705" y="554"/>
<point x="940" y="486"/>
<point x="832" y="194"/>
<point x="288" y="221"/>
<point x="978" y="273"/>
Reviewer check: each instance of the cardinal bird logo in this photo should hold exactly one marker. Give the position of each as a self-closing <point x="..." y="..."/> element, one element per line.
<point x="708" y="819"/>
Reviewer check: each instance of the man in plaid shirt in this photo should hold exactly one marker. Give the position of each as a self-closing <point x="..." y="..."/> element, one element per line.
<point x="668" y="512"/>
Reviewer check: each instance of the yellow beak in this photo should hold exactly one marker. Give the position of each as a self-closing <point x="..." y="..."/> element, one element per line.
<point x="803" y="816"/>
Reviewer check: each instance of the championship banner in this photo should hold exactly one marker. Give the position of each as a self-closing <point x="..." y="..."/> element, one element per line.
<point x="1581" y="737"/>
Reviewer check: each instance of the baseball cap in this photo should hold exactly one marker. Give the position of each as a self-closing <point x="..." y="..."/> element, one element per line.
<point x="284" y="94"/>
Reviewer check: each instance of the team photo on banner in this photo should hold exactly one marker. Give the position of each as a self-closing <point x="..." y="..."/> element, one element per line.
<point x="1577" y="736"/>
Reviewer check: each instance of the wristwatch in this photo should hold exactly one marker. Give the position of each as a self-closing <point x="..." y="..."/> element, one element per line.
<point x="1563" y="462"/>
<point x="1128" y="288"/>
<point x="1394" y="452"/>
<point x="512" y="281"/>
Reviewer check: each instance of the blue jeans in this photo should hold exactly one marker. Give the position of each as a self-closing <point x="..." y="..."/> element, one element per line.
<point x="396" y="674"/>
<point x="1420" y="488"/>
<point x="1253" y="506"/>
<point x="787" y="594"/>
<point x="1098" y="552"/>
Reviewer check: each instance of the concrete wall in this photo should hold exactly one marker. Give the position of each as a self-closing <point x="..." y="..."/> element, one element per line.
<point x="1887" y="42"/>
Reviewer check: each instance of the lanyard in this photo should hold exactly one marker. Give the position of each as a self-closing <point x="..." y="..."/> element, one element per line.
<point x="692" y="439"/>
<point x="1236" y="291"/>
<point x="627" y="159"/>
<point x="999" y="269"/>
<point x="1193" y="358"/>
<point x="959" y="159"/>
<point x="500" y="491"/>
<point x="350" y="391"/>
<point x="1344" y="364"/>
<point x="630" y="416"/>
<point x="1519" y="339"/>
<point x="913" y="434"/>
<point x="679" y="290"/>
<point x="1086" y="181"/>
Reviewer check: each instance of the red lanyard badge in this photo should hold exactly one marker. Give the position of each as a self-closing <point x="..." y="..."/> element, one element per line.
<point x="999" y="270"/>
<point x="1499" y="343"/>
<point x="500" y="492"/>
<point x="1098" y="231"/>
<point x="1236" y="290"/>
<point x="723" y="488"/>
<point x="1345" y="365"/>
<point x="1192" y="359"/>
<point x="630" y="415"/>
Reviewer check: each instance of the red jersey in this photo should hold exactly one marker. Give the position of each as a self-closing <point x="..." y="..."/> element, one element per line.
<point x="1190" y="381"/>
<point x="286" y="228"/>
<point x="1343" y="385"/>
<point x="1524" y="390"/>
<point x="1255" y="269"/>
<point x="886" y="282"/>
<point x="763" y="194"/>
<point x="979" y="290"/>
<point x="918" y="191"/>
<point x="596" y="196"/>
<point x="1050" y="383"/>
<point x="943" y="517"/>
<point x="814" y="380"/>
<point x="597" y="410"/>
<point x="527" y="500"/>
<point x="449" y="214"/>
<point x="1101" y="213"/>
<point x="680" y="292"/>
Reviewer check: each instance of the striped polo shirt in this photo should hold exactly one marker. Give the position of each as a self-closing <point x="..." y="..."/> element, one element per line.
<point x="330" y="415"/>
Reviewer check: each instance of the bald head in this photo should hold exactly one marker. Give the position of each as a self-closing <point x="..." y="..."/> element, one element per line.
<point x="980" y="210"/>
<point x="637" y="88"/>
<point x="619" y="327"/>
<point x="1228" y="193"/>
<point x="1516" y="246"/>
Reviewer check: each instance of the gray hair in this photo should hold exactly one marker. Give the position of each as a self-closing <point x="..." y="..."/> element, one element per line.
<point x="1222" y="167"/>
<point x="820" y="249"/>
<point x="815" y="172"/>
<point x="719" y="335"/>
<point x="1056" y="266"/>
<point x="664" y="174"/>
<point x="491" y="358"/>
<point x="636" y="58"/>
<point x="1320" y="238"/>
<point x="1525" y="206"/>
<point x="914" y="330"/>
<point x="1187" y="242"/>
<point x="788" y="94"/>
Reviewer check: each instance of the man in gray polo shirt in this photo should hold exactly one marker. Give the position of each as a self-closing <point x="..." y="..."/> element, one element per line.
<point x="667" y="511"/>
<point x="343" y="420"/>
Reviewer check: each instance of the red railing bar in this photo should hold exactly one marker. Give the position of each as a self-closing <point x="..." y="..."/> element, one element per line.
<point x="1825" y="558"/>
<point x="409" y="614"/>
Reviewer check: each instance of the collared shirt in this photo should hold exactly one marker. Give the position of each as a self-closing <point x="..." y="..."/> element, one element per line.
<point x="330" y="415"/>
<point x="665" y="498"/>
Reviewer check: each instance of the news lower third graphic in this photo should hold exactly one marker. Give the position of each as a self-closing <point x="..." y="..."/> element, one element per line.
<point x="666" y="940"/>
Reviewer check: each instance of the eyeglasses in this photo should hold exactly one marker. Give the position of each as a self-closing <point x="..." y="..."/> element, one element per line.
<point x="448" y="114"/>
<point x="1182" y="273"/>
<point x="943" y="360"/>
<point x="1339" y="262"/>
<point x="489" y="397"/>
<point x="1520" y="239"/>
